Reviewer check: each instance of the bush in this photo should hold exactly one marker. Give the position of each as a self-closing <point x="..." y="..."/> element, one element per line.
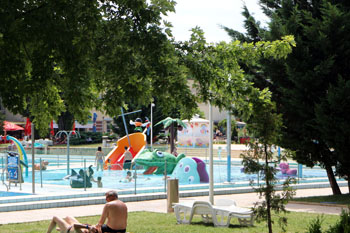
<point x="315" y="225"/>
<point x="96" y="137"/>
<point x="343" y="225"/>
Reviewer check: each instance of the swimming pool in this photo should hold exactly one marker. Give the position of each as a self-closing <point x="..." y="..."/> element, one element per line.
<point x="115" y="179"/>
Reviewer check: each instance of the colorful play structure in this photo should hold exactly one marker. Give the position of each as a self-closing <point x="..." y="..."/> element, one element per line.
<point x="116" y="156"/>
<point x="191" y="171"/>
<point x="187" y="170"/>
<point x="155" y="162"/>
<point x="81" y="179"/>
<point x="21" y="152"/>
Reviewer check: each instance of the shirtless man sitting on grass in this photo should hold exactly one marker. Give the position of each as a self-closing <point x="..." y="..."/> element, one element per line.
<point x="116" y="213"/>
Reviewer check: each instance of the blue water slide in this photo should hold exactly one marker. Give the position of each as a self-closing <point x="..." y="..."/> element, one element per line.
<point x="21" y="151"/>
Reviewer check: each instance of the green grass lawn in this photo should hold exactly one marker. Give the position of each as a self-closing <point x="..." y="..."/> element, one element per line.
<point x="343" y="199"/>
<point x="139" y="222"/>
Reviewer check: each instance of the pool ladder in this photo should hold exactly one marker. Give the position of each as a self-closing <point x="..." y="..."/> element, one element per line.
<point x="3" y="178"/>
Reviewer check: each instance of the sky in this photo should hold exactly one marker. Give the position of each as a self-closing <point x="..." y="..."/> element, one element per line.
<point x="208" y="15"/>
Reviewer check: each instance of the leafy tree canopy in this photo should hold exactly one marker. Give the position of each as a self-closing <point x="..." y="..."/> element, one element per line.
<point x="304" y="84"/>
<point x="58" y="56"/>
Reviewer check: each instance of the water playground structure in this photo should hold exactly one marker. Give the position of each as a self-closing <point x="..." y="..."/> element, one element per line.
<point x="152" y="167"/>
<point x="81" y="179"/>
<point x="21" y="152"/>
<point x="116" y="156"/>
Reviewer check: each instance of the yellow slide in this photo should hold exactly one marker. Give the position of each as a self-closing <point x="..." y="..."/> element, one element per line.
<point x="116" y="156"/>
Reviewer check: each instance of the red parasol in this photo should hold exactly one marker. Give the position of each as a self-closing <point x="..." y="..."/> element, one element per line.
<point x="9" y="126"/>
<point x="73" y="133"/>
<point x="28" y="128"/>
<point x="52" y="132"/>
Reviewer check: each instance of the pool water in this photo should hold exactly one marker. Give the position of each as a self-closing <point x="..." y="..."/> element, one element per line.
<point x="11" y="194"/>
<point x="115" y="179"/>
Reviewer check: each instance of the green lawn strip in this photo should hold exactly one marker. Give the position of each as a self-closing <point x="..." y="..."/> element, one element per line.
<point x="343" y="199"/>
<point x="139" y="222"/>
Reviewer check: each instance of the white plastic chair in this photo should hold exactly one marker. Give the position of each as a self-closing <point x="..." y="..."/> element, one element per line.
<point x="224" y="209"/>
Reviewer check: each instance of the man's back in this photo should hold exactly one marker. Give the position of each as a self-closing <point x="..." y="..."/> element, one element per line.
<point x="127" y="155"/>
<point x="117" y="214"/>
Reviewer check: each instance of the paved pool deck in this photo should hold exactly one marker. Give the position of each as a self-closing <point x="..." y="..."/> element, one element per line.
<point x="244" y="200"/>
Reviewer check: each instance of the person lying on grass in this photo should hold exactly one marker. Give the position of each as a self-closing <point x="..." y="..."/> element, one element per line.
<point x="70" y="225"/>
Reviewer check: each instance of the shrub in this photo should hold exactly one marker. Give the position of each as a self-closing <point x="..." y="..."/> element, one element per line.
<point x="96" y="137"/>
<point x="315" y="225"/>
<point x="343" y="225"/>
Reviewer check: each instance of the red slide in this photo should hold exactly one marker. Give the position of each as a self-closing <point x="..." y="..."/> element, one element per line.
<point x="116" y="156"/>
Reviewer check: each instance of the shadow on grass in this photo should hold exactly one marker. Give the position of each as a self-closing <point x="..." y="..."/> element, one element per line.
<point x="211" y="225"/>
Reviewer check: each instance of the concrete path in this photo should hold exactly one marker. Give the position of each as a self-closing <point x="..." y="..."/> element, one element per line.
<point x="244" y="200"/>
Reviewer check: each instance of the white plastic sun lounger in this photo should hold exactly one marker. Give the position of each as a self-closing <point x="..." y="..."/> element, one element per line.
<point x="217" y="214"/>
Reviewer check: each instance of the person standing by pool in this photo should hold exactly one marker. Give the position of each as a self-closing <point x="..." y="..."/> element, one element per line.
<point x="100" y="158"/>
<point x="127" y="159"/>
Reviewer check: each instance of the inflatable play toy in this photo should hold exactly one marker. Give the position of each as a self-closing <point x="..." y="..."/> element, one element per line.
<point x="77" y="179"/>
<point x="191" y="171"/>
<point x="155" y="160"/>
<point x="286" y="171"/>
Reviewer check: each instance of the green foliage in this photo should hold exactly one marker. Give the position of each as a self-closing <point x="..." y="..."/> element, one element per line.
<point x="303" y="85"/>
<point x="72" y="56"/>
<point x="96" y="137"/>
<point x="315" y="225"/>
<point x="223" y="125"/>
<point x="266" y="124"/>
<point x="172" y="124"/>
<point x="216" y="71"/>
<point x="2" y="118"/>
<point x="343" y="224"/>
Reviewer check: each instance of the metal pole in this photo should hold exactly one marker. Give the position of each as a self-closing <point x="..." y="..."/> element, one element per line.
<point x="33" y="158"/>
<point x="68" y="135"/>
<point x="165" y="175"/>
<point x="84" y="174"/>
<point x="279" y="153"/>
<point x="135" y="177"/>
<point x="58" y="160"/>
<point x="151" y="140"/>
<point x="211" y="162"/>
<point x="20" y="175"/>
<point x="41" y="174"/>
<point x="228" y="141"/>
<point x="126" y="129"/>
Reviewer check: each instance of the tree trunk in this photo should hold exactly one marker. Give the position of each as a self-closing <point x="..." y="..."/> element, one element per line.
<point x="172" y="139"/>
<point x="332" y="180"/>
<point x="348" y="176"/>
<point x="65" y="121"/>
<point x="268" y="191"/>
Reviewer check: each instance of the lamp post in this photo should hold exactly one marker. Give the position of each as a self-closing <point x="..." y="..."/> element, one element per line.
<point x="151" y="140"/>
<point x="228" y="141"/>
<point x="211" y="161"/>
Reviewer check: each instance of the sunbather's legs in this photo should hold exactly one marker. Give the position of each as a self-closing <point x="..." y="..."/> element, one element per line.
<point x="71" y="220"/>
<point x="61" y="223"/>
